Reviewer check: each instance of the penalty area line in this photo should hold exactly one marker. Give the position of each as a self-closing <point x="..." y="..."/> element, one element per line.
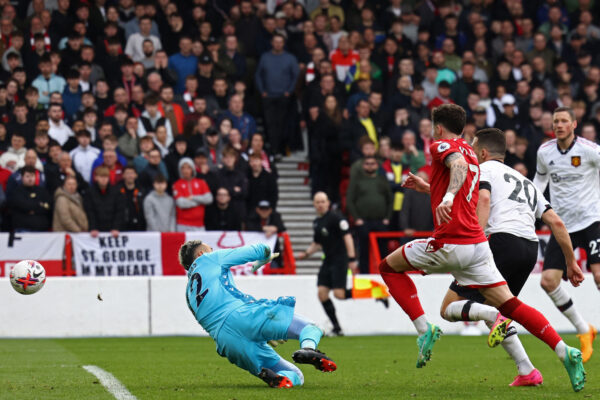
<point x="112" y="384"/>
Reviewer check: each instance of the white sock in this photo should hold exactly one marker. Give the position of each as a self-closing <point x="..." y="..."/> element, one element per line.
<point x="421" y="324"/>
<point x="473" y="311"/>
<point x="513" y="346"/>
<point x="561" y="350"/>
<point x="563" y="302"/>
<point x="308" y="344"/>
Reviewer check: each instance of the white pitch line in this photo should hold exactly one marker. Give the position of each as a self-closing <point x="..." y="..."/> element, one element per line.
<point x="112" y="384"/>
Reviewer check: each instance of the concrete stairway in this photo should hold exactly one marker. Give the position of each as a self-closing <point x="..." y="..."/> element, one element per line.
<point x="295" y="207"/>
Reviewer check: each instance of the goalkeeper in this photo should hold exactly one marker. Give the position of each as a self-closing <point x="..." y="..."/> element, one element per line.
<point x="241" y="325"/>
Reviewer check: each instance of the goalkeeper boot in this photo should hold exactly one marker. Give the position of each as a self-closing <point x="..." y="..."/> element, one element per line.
<point x="574" y="366"/>
<point x="498" y="331"/>
<point x="314" y="357"/>
<point x="586" y="340"/>
<point x="274" y="380"/>
<point x="425" y="343"/>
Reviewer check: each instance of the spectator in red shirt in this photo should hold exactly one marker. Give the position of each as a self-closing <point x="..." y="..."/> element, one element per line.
<point x="343" y="58"/>
<point x="443" y="96"/>
<point x="114" y="166"/>
<point x="191" y="196"/>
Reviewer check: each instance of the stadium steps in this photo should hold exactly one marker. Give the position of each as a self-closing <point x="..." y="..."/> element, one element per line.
<point x="295" y="207"/>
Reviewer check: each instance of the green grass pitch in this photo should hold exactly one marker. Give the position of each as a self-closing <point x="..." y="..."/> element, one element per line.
<point x="381" y="367"/>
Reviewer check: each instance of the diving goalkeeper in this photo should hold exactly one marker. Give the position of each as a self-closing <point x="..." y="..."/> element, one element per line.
<point x="241" y="325"/>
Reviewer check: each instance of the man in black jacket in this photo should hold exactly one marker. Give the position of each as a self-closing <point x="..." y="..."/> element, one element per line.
<point x="30" y="204"/>
<point x="234" y="180"/>
<point x="262" y="185"/>
<point x="132" y="200"/>
<point x="220" y="215"/>
<point x="103" y="205"/>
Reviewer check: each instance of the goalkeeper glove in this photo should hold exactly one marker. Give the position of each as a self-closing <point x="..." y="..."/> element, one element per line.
<point x="257" y="264"/>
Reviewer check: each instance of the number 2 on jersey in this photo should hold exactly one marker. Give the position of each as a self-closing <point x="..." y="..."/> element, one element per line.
<point x="199" y="296"/>
<point x="473" y="168"/>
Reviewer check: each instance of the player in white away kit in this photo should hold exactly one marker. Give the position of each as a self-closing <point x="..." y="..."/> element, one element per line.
<point x="508" y="206"/>
<point x="571" y="164"/>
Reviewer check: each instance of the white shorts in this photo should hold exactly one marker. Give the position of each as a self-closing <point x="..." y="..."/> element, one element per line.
<point x="471" y="265"/>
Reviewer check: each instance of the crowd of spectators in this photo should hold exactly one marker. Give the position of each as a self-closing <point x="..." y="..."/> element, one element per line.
<point x="169" y="114"/>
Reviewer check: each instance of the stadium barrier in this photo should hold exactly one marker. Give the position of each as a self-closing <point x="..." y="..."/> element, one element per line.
<point x="396" y="239"/>
<point x="156" y="306"/>
<point x="129" y="254"/>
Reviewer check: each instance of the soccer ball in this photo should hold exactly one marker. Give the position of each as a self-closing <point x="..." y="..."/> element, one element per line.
<point x="27" y="276"/>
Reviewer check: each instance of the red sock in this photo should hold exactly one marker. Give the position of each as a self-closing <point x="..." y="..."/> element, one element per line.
<point x="531" y="319"/>
<point x="402" y="289"/>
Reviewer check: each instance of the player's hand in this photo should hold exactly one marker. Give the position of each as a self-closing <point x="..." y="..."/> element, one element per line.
<point x="353" y="265"/>
<point x="574" y="273"/>
<point x="257" y="264"/>
<point x="416" y="183"/>
<point x="275" y="343"/>
<point x="442" y="212"/>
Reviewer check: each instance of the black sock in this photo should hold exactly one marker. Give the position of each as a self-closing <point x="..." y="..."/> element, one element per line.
<point x="330" y="311"/>
<point x="348" y="293"/>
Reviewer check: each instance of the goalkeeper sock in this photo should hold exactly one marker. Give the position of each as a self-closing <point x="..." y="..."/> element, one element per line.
<point x="513" y="346"/>
<point x="310" y="337"/>
<point x="289" y="370"/>
<point x="330" y="311"/>
<point x="402" y="289"/>
<point x="533" y="320"/>
<point x="468" y="310"/>
<point x="563" y="302"/>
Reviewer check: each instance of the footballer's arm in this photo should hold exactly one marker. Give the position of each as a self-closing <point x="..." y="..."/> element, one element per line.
<point x="541" y="178"/>
<point x="458" y="173"/>
<point x="561" y="235"/>
<point x="483" y="206"/>
<point x="349" y="242"/>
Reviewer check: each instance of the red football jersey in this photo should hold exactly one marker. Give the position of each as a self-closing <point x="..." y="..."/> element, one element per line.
<point x="464" y="227"/>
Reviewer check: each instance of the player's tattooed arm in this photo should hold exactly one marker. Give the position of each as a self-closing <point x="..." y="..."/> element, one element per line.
<point x="458" y="172"/>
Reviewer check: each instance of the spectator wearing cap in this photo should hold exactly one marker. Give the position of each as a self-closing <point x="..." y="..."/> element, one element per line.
<point x="443" y="96"/>
<point x="151" y="119"/>
<point x="276" y="77"/>
<point x="508" y="119"/>
<point x="59" y="130"/>
<point x="103" y="205"/>
<point x="84" y="155"/>
<point x="203" y="171"/>
<point x="191" y="196"/>
<point x="206" y="76"/>
<point x="480" y="117"/>
<point x="213" y="147"/>
<point x="47" y="82"/>
<point x="222" y="215"/>
<point x="135" y="43"/>
<point x="262" y="185"/>
<point x="265" y="219"/>
<point x="30" y="204"/>
<point x="159" y="207"/>
<point x="183" y="63"/>
<point x="242" y="121"/>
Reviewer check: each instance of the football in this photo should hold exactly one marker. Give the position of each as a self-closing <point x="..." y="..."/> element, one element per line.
<point x="27" y="276"/>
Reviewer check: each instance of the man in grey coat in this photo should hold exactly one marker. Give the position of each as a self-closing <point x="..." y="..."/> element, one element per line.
<point x="159" y="207"/>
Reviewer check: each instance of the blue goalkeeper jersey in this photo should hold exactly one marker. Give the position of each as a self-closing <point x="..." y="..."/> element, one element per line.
<point x="211" y="293"/>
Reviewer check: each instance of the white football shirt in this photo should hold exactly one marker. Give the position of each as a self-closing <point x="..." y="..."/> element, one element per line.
<point x="515" y="202"/>
<point x="574" y="181"/>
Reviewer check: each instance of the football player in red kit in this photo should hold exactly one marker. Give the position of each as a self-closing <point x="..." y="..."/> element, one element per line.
<point x="460" y="247"/>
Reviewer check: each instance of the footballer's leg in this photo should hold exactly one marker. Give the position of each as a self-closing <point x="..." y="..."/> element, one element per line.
<point x="393" y="270"/>
<point x="328" y="278"/>
<point x="554" y="270"/>
<point x="535" y="322"/>
<point x="455" y="307"/>
<point x="309" y="336"/>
